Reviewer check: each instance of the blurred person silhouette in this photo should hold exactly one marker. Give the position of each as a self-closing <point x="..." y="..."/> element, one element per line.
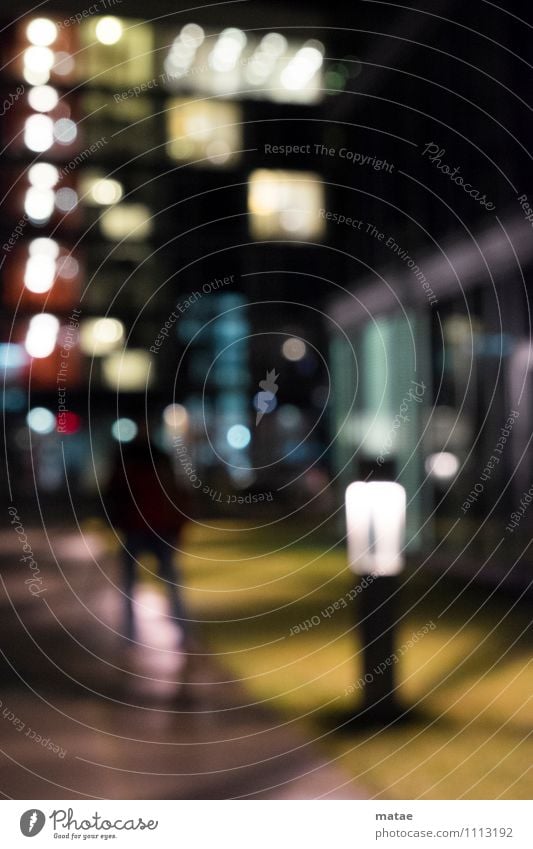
<point x="145" y="504"/>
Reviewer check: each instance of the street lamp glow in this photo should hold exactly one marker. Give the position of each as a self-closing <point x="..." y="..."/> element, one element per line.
<point x="375" y="519"/>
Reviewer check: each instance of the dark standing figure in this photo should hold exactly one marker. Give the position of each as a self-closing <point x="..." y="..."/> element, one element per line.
<point x="145" y="504"/>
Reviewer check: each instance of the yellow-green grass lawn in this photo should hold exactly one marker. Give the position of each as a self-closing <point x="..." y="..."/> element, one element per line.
<point x="471" y="681"/>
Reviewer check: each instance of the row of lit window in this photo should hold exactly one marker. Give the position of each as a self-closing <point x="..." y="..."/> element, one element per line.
<point x="117" y="51"/>
<point x="280" y="203"/>
<point x="127" y="369"/>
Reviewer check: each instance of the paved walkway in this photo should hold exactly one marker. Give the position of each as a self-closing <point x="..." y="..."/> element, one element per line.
<point x="83" y="716"/>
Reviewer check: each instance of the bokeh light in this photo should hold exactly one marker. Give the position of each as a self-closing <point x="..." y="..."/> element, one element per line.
<point x="109" y="30"/>
<point x="124" y="430"/>
<point x="294" y="349"/>
<point x="41" y="420"/>
<point x="238" y="436"/>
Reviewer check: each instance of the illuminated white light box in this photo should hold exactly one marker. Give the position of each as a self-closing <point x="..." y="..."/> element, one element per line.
<point x="375" y="520"/>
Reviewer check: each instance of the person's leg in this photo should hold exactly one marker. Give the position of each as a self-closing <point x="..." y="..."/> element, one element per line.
<point x="187" y="693"/>
<point x="170" y="575"/>
<point x="130" y="553"/>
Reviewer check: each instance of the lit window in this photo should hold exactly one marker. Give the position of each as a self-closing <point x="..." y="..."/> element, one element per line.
<point x="41" y="32"/>
<point x="42" y="175"/>
<point x="285" y="204"/>
<point x="38" y="133"/>
<point x="109" y="30"/>
<point x="127" y="371"/>
<point x="100" y="336"/>
<point x="65" y="131"/>
<point x="39" y="274"/>
<point x="115" y="51"/>
<point x="43" y="98"/>
<point x="237" y="64"/>
<point x="39" y="204"/>
<point x="126" y="221"/>
<point x="101" y="191"/>
<point x="42" y="335"/>
<point x="38" y="62"/>
<point x="227" y="50"/>
<point x="44" y="247"/>
<point x="207" y="130"/>
<point x="183" y="51"/>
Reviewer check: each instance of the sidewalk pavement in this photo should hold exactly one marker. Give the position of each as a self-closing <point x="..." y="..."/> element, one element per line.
<point x="85" y="715"/>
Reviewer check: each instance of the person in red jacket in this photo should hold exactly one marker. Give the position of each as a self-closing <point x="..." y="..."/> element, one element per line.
<point x="145" y="504"/>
